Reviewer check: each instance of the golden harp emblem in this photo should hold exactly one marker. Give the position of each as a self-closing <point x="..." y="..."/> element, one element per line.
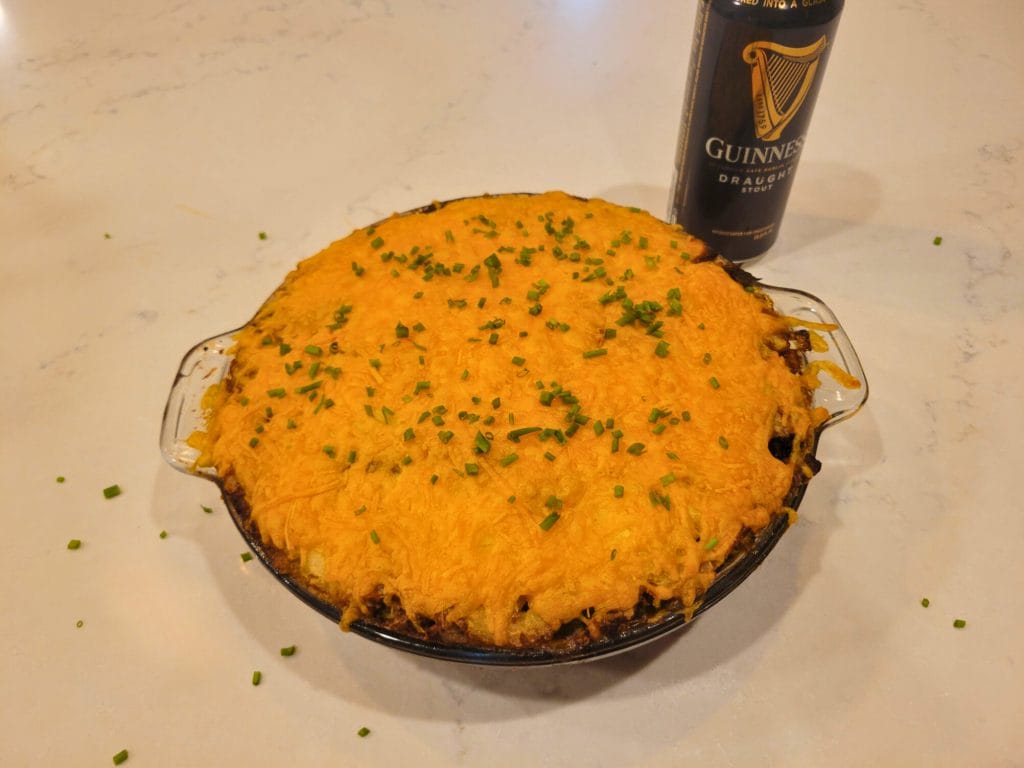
<point x="780" y="79"/>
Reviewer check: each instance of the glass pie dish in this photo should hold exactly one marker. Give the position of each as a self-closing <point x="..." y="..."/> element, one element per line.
<point x="842" y="392"/>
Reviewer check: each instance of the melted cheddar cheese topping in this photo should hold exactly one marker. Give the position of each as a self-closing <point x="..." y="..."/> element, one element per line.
<point x="509" y="413"/>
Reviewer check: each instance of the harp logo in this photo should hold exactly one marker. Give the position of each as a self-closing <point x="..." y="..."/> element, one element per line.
<point x="780" y="77"/>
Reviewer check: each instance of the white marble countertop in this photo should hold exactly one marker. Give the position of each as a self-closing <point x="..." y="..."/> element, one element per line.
<point x="144" y="145"/>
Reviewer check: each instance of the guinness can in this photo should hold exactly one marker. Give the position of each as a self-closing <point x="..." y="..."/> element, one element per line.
<point x="755" y="70"/>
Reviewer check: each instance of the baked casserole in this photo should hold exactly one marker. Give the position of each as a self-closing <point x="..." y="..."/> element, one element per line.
<point x="492" y="419"/>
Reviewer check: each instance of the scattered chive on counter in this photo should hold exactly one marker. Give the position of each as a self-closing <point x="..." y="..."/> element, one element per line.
<point x="288" y="650"/>
<point x="120" y="757"/>
<point x="75" y="544"/>
<point x="363" y="732"/>
<point x="959" y="623"/>
<point x="257" y="677"/>
<point x="111" y="491"/>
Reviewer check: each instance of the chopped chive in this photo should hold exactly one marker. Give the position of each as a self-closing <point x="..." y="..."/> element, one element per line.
<point x="472" y="469"/>
<point x="636" y="449"/>
<point x="937" y="240"/>
<point x="277" y="392"/>
<point x="550" y="520"/>
<point x="598" y="427"/>
<point x="511" y="499"/>
<point x="111" y="491"/>
<point x="60" y="478"/>
<point x="364" y="731"/>
<point x="121" y="756"/>
<point x="662" y="349"/>
<point x="614" y="553"/>
<point x="619" y="491"/>
<point x="595" y="353"/>
<point x="257" y="676"/>
<point x="481" y="444"/>
<point x="512" y="458"/>
<point x="421" y="386"/>
<point x="515" y="434"/>
<point x="434" y="479"/>
<point x="374" y="363"/>
<point x="352" y="456"/>
<point x="723" y="442"/>
<point x="707" y="358"/>
<point x="246" y="557"/>
<point x="254" y="442"/>
<point x="314" y="350"/>
<point x="445" y="436"/>
<point x="377" y="242"/>
<point x="308" y="387"/>
<point x="288" y="651"/>
<point x="959" y="623"/>
<point x="163" y="534"/>
<point x="329" y="450"/>
<point x="75" y="544"/>
<point x="374" y="537"/>
<point x="685" y="415"/>
<point x="549" y="456"/>
<point x="668" y="479"/>
<point x="465" y="374"/>
<point x="712" y="543"/>
<point x="714" y="383"/>
<point x="518" y="360"/>
<point x="206" y="509"/>
<point x="401" y="331"/>
<point x="659" y="428"/>
<point x="408" y="435"/>
<point x="925" y="602"/>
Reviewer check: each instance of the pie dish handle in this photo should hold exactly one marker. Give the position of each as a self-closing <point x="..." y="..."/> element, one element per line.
<point x="842" y="399"/>
<point x="206" y="364"/>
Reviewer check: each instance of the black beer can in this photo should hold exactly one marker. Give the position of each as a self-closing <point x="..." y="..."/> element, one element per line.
<point x="756" y="67"/>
